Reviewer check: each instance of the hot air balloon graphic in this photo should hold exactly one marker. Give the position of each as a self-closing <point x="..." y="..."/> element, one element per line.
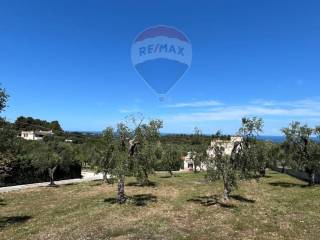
<point x="161" y="55"/>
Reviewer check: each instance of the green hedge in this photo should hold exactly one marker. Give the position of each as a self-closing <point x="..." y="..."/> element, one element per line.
<point x="22" y="172"/>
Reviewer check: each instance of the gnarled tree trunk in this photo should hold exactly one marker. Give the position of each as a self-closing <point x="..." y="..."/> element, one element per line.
<point x="51" y="175"/>
<point x="227" y="189"/>
<point x="312" y="178"/>
<point x="262" y="172"/>
<point x="226" y="192"/>
<point x="146" y="177"/>
<point x="106" y="179"/>
<point x="121" y="195"/>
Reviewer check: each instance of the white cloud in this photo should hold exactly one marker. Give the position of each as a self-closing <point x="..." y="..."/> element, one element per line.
<point x="301" y="109"/>
<point x="207" y="103"/>
<point x="309" y="102"/>
<point x="130" y="110"/>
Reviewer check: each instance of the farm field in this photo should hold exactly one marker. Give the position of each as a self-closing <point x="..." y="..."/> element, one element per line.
<point x="182" y="207"/>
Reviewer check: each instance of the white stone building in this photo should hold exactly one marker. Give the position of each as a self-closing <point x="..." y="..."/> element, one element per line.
<point x="188" y="164"/>
<point x="35" y="135"/>
<point x="226" y="144"/>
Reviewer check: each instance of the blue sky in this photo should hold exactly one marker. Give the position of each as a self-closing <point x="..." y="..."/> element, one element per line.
<point x="70" y="61"/>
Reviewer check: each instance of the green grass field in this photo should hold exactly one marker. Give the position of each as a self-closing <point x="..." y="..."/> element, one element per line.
<point x="183" y="207"/>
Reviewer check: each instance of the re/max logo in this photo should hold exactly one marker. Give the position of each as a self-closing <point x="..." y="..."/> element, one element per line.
<point x="161" y="48"/>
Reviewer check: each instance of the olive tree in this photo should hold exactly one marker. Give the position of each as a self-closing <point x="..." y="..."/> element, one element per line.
<point x="3" y="99"/>
<point x="7" y="140"/>
<point x="252" y="157"/>
<point x="241" y="163"/>
<point x="121" y="147"/>
<point x="147" y="139"/>
<point x="171" y="158"/>
<point x="8" y="149"/>
<point x="86" y="153"/>
<point x="303" y="151"/>
<point x="224" y="167"/>
<point x="198" y="149"/>
<point x="278" y="155"/>
<point x="100" y="153"/>
<point x="260" y="157"/>
<point x="124" y="150"/>
<point x="129" y="151"/>
<point x="51" y="155"/>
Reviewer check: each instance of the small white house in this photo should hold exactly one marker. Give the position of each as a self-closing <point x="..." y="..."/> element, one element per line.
<point x="35" y="135"/>
<point x="188" y="164"/>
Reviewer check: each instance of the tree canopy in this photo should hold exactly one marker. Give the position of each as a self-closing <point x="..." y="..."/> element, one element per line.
<point x="302" y="150"/>
<point x="3" y="99"/>
<point x="30" y="124"/>
<point x="247" y="156"/>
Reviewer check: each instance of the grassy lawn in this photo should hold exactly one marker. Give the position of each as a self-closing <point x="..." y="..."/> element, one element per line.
<point x="183" y="207"/>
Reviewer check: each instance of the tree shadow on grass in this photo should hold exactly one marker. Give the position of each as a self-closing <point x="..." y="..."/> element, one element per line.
<point x="100" y="182"/>
<point x="94" y="184"/>
<point x="2" y="202"/>
<point x="288" y="185"/>
<point x="69" y="184"/>
<point x="267" y="176"/>
<point x="168" y="176"/>
<point x="242" y="199"/>
<point x="140" y="200"/>
<point x="7" y="221"/>
<point x="52" y="186"/>
<point x="259" y="177"/>
<point x="110" y="200"/>
<point x="137" y="184"/>
<point x="210" y="201"/>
